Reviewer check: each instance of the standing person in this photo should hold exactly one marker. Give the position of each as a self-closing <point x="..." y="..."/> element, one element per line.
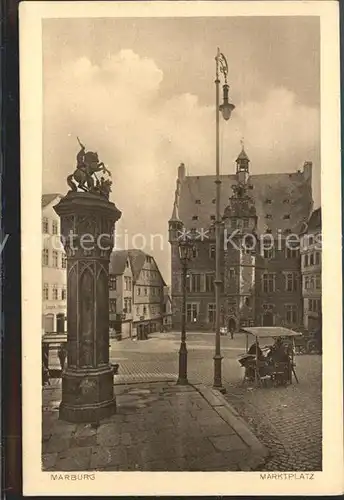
<point x="45" y="356"/>
<point x="62" y="355"/>
<point x="45" y="364"/>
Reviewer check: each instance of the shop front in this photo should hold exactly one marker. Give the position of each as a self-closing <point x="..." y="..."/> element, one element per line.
<point x="54" y="319"/>
<point x="145" y="327"/>
<point x="120" y="327"/>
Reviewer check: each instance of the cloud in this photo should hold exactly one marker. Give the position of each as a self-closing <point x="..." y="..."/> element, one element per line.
<point x="117" y="110"/>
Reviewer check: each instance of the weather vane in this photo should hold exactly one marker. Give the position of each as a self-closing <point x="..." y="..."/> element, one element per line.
<point x="222" y="64"/>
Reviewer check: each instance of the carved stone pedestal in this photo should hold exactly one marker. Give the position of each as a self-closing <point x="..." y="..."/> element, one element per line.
<point x="87" y="233"/>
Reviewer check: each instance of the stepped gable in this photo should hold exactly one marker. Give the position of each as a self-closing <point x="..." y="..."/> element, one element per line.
<point x="314" y="223"/>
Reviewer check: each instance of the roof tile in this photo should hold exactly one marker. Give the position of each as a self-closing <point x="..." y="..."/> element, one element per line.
<point x="275" y="187"/>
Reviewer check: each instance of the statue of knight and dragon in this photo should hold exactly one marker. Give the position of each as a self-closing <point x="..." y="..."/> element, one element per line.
<point x="84" y="177"/>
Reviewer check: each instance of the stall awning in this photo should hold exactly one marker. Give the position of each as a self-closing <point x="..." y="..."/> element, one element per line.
<point x="54" y="338"/>
<point x="271" y="331"/>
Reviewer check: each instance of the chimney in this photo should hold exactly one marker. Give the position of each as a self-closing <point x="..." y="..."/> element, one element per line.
<point x="181" y="172"/>
<point x="307" y="170"/>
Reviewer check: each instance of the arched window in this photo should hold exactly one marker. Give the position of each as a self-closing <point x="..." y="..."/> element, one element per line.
<point x="49" y="323"/>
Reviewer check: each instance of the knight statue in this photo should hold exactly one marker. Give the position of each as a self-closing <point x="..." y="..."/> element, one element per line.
<point x="84" y="176"/>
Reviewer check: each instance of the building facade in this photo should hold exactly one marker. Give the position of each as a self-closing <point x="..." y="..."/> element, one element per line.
<point x="311" y="272"/>
<point x="54" y="274"/>
<point x="120" y="294"/>
<point x="261" y="217"/>
<point x="139" y="293"/>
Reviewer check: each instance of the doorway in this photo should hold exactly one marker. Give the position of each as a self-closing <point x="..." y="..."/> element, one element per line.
<point x="268" y="319"/>
<point x="60" y="323"/>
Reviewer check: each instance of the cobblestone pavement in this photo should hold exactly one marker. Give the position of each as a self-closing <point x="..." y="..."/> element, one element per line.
<point x="157" y="427"/>
<point x="158" y="357"/>
<point x="287" y="420"/>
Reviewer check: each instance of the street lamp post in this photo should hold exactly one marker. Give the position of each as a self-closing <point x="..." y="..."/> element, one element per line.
<point x="226" y="109"/>
<point x="185" y="255"/>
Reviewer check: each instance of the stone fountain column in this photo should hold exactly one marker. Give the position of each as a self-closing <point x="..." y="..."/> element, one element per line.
<point x="87" y="233"/>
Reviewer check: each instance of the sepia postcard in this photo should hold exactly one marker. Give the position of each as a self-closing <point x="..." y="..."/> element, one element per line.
<point x="181" y="248"/>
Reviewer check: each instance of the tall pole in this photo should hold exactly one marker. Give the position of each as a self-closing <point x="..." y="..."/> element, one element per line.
<point x="183" y="353"/>
<point x="217" y="282"/>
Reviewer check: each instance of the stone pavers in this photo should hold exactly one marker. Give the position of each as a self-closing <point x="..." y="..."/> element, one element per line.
<point x="287" y="420"/>
<point x="157" y="427"/>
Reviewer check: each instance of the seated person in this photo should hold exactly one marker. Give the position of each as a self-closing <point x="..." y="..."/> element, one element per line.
<point x="255" y="349"/>
<point x="278" y="354"/>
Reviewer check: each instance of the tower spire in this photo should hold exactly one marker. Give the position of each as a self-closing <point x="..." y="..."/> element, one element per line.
<point x="243" y="160"/>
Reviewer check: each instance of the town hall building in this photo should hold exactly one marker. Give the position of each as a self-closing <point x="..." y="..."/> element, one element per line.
<point x="261" y="219"/>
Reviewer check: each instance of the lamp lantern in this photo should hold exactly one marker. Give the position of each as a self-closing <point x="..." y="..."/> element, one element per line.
<point x="227" y="107"/>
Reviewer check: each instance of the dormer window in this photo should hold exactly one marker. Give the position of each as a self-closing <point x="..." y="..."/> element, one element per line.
<point x="286" y="216"/>
<point x="198" y="202"/>
<point x="268" y="202"/>
<point x="195" y="217"/>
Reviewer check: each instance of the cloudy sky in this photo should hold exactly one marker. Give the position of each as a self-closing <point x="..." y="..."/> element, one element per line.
<point x="141" y="93"/>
